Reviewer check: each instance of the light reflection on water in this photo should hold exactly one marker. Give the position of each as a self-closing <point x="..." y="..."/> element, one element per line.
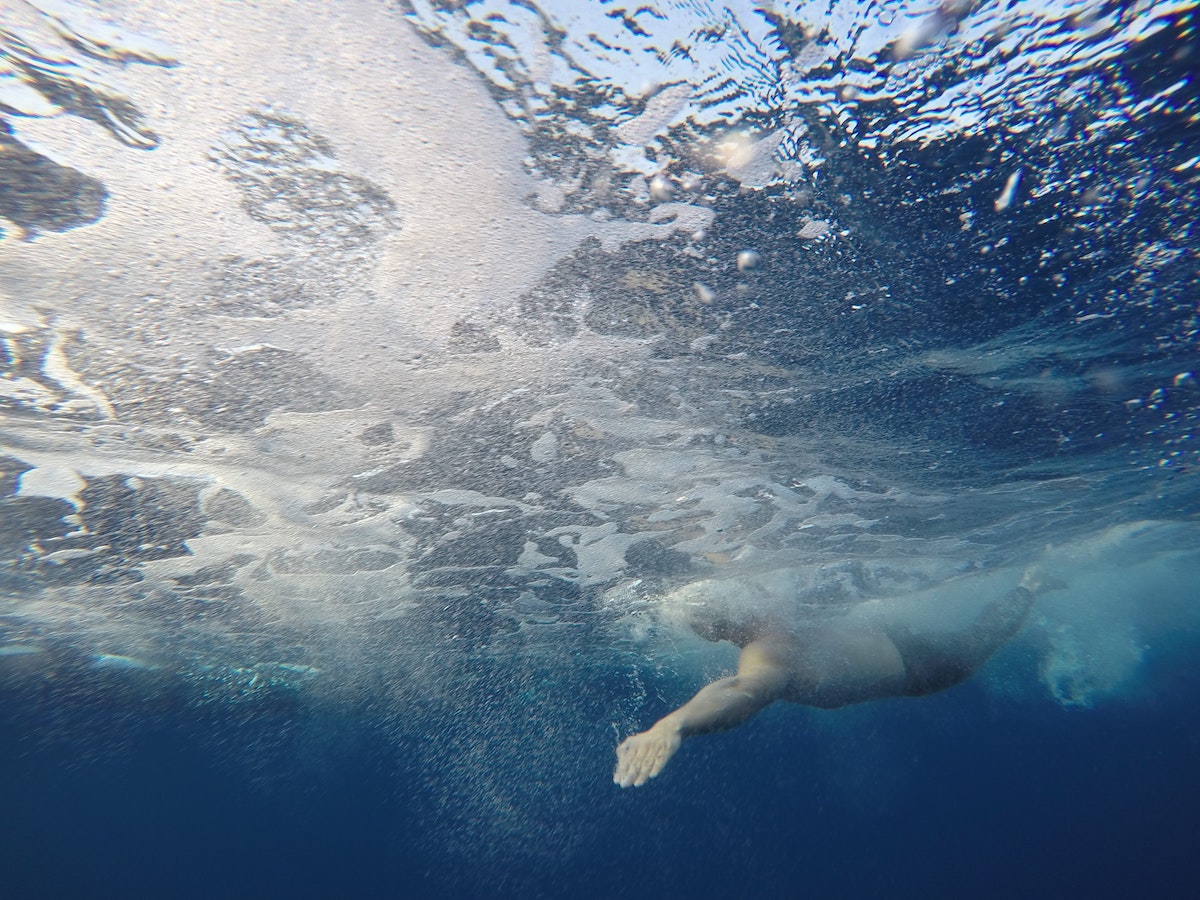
<point x="306" y="376"/>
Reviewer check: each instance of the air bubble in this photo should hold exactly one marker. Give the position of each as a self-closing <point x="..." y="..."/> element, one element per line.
<point x="748" y="259"/>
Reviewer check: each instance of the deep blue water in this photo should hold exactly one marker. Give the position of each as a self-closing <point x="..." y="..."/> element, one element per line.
<point x="959" y="794"/>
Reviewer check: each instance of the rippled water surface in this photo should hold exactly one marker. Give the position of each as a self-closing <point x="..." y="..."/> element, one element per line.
<point x="372" y="370"/>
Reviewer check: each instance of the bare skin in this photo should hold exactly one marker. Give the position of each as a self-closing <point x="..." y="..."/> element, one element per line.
<point x="836" y="664"/>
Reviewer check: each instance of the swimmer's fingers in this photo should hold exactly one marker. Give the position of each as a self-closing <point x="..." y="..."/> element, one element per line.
<point x="636" y="761"/>
<point x="642" y="756"/>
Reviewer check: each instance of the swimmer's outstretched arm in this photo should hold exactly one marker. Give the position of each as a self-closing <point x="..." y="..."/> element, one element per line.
<point x="762" y="678"/>
<point x="828" y="668"/>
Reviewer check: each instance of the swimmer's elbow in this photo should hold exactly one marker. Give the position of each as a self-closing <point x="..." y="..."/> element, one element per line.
<point x="761" y="688"/>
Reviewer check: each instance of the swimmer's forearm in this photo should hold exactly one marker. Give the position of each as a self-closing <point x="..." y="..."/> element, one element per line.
<point x="719" y="706"/>
<point x="762" y="678"/>
<point x="722" y="704"/>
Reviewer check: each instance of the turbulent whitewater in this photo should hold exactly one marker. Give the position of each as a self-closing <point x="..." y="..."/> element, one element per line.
<point x="343" y="349"/>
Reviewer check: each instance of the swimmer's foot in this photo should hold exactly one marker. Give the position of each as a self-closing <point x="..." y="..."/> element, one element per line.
<point x="641" y="757"/>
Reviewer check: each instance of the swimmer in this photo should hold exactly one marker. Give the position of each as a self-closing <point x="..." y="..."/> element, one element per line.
<point x="853" y="658"/>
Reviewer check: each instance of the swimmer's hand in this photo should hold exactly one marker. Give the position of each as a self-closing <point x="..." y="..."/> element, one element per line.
<point x="641" y="757"/>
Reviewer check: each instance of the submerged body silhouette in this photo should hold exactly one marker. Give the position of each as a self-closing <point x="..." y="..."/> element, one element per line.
<point x="849" y="659"/>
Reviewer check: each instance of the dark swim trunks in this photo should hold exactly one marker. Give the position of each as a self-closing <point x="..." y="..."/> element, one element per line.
<point x="936" y="661"/>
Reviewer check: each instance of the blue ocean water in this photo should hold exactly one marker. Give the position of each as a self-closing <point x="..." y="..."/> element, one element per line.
<point x="373" y="379"/>
<point x="954" y="794"/>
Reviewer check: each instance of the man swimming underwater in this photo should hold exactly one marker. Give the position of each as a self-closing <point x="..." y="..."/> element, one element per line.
<point x="852" y="658"/>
